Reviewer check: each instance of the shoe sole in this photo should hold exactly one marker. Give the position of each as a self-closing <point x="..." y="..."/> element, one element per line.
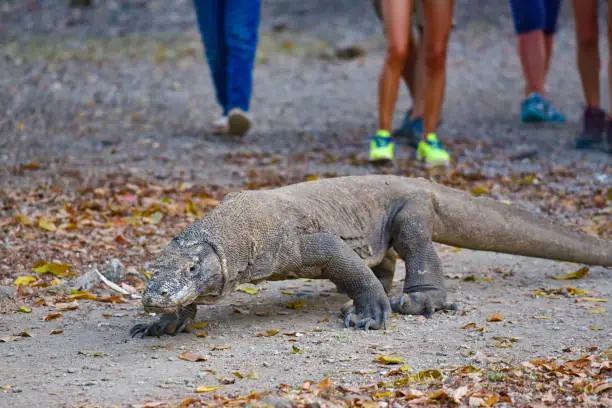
<point x="238" y="125"/>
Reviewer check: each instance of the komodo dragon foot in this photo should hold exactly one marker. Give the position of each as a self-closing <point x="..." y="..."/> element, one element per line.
<point x="171" y="324"/>
<point x="421" y="303"/>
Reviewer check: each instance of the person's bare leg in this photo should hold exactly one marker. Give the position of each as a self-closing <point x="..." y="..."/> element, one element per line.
<point x="532" y="53"/>
<point x="409" y="73"/>
<point x="438" y="21"/>
<point x="587" y="49"/>
<point x="396" y="16"/>
<point x="609" y="62"/>
<point x="418" y="106"/>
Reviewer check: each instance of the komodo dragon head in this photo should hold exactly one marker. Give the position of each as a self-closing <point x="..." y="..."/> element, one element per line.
<point x="183" y="272"/>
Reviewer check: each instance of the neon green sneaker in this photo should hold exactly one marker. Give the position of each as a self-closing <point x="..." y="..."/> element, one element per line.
<point x="431" y="152"/>
<point x="381" y="148"/>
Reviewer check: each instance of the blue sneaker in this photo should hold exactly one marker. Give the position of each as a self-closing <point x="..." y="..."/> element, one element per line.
<point x="410" y="129"/>
<point x="536" y="108"/>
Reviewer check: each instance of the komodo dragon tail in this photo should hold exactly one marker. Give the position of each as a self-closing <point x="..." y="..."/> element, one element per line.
<point x="484" y="224"/>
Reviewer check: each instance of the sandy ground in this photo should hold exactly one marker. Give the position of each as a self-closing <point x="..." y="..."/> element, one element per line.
<point x="149" y="119"/>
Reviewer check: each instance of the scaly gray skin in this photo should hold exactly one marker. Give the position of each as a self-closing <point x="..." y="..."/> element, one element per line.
<point x="348" y="230"/>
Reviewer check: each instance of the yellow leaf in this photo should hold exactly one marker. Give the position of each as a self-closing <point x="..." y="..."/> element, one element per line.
<point x="146" y="274"/>
<point x="288" y="292"/>
<point x="576" y="291"/>
<point x="250" y="290"/>
<point x="191" y="208"/>
<point x="383" y="394"/>
<point x="593" y="299"/>
<point x="295" y="349"/>
<point x="491" y="400"/>
<point x="55" y="281"/>
<point x="53" y="268"/>
<point x="390" y="359"/>
<point x="495" y="317"/>
<point x="25" y="309"/>
<point x="202" y="334"/>
<point x="24" y="280"/>
<point x="597" y="310"/>
<point x="595" y="328"/>
<point x="577" y="274"/>
<point x="238" y="374"/>
<point x="296" y="304"/>
<point x="46" y="224"/>
<point x="24" y="219"/>
<point x="478" y="190"/>
<point x="207" y="388"/>
<point x="200" y="325"/>
<point x="81" y="294"/>
<point x="313" y="177"/>
<point x="268" y="333"/>
<point x="20" y="126"/>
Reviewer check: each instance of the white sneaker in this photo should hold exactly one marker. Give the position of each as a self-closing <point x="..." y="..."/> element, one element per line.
<point x="221" y="125"/>
<point x="239" y="122"/>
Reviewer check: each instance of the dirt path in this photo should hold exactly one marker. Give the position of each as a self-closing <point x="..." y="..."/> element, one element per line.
<point x="99" y="133"/>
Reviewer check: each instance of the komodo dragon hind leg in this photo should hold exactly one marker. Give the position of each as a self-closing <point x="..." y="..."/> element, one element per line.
<point x="424" y="291"/>
<point x="171" y="324"/>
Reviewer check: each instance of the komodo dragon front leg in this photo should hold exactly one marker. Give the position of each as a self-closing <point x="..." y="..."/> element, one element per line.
<point x="167" y="324"/>
<point x="424" y="291"/>
<point x="349" y="272"/>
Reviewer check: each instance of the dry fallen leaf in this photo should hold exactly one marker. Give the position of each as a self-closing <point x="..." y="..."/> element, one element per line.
<point x="296" y="304"/>
<point x="25" y="309"/>
<point x="222" y="348"/>
<point x="56" y="331"/>
<point x="594" y="299"/>
<point x="46" y="224"/>
<point x="577" y="274"/>
<point x="250" y="290"/>
<point x="201" y="334"/>
<point x="189" y="356"/>
<point x="268" y="333"/>
<point x="495" y="317"/>
<point x="54" y="268"/>
<point x="52" y="316"/>
<point x="207" y="388"/>
<point x="597" y="310"/>
<point x="24" y="280"/>
<point x="390" y="359"/>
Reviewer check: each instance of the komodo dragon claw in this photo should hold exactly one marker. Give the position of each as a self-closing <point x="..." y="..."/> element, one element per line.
<point x="418" y="303"/>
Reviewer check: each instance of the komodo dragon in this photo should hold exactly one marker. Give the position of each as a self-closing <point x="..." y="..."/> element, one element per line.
<point x="348" y="230"/>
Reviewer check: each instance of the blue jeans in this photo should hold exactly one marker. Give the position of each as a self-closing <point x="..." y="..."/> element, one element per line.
<point x="531" y="15"/>
<point x="229" y="33"/>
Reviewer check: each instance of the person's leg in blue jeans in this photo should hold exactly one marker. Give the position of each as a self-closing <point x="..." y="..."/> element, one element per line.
<point x="229" y="33"/>
<point x="535" y="22"/>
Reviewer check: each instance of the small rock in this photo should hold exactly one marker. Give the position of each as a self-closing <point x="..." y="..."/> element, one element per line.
<point x="171" y="359"/>
<point x="114" y="270"/>
<point x="85" y="281"/>
<point x="277" y="402"/>
<point x="154" y="356"/>
<point x="71" y="371"/>
<point x="6" y="291"/>
<point x="266" y="364"/>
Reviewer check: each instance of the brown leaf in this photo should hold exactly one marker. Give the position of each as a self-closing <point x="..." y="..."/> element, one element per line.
<point x="52" y="316"/>
<point x="189" y="356"/>
<point x="222" y="348"/>
<point x="495" y="317"/>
